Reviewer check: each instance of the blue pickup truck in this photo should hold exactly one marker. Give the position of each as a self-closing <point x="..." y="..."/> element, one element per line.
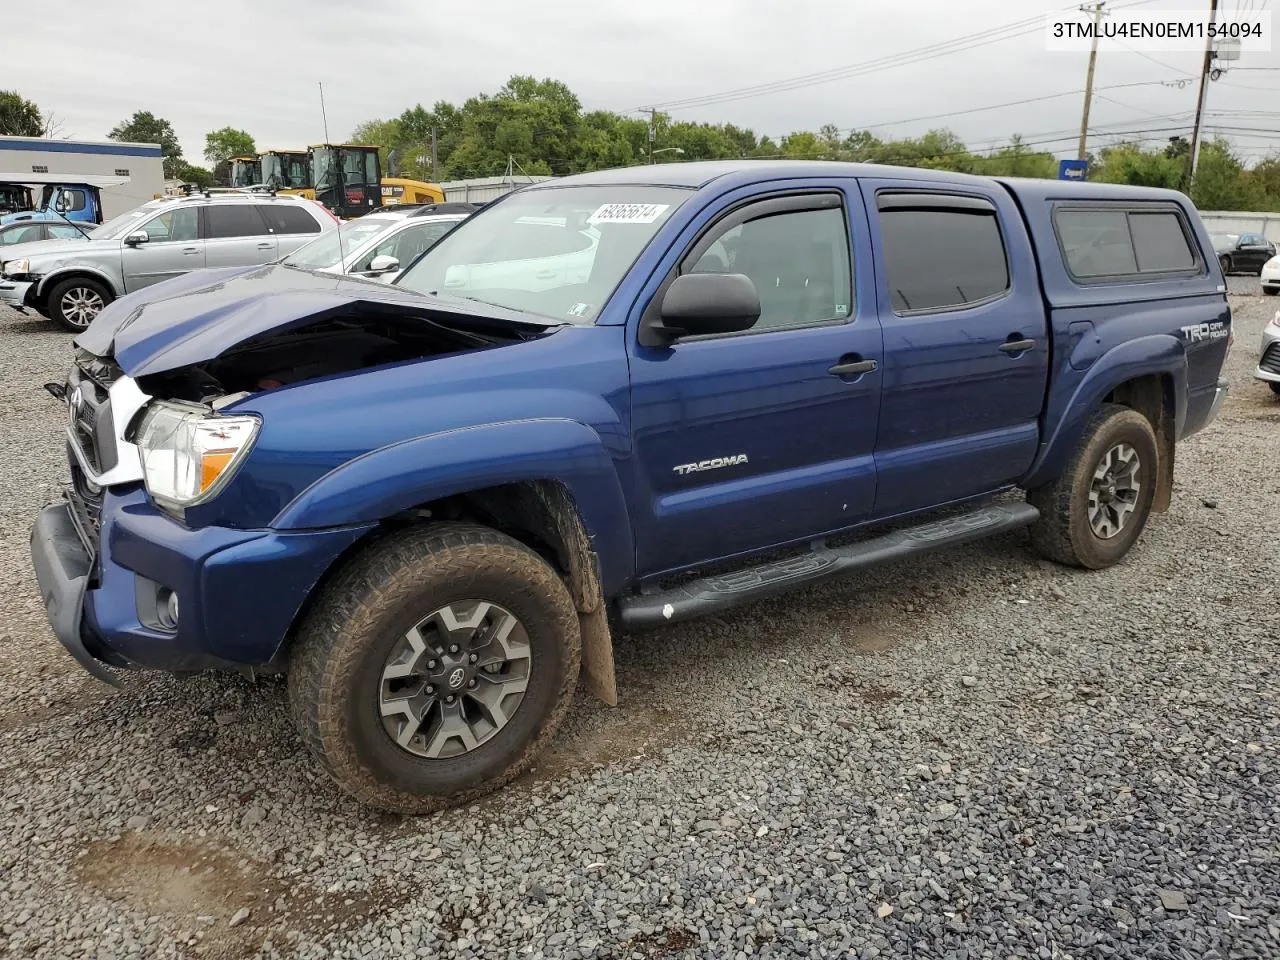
<point x="611" y="401"/>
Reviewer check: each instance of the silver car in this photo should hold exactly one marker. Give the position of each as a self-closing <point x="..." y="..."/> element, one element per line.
<point x="380" y="245"/>
<point x="70" y="281"/>
<point x="1269" y="358"/>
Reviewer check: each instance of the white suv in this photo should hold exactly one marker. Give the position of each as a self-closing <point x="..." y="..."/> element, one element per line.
<point x="70" y="281"/>
<point x="381" y="244"/>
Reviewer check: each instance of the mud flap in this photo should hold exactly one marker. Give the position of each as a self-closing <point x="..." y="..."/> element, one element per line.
<point x="597" y="656"/>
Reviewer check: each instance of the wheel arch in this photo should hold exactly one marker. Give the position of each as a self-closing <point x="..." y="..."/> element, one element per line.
<point x="71" y="272"/>
<point x="1148" y="374"/>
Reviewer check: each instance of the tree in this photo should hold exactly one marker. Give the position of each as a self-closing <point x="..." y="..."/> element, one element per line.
<point x="146" y="127"/>
<point x="189" y="173"/>
<point x="226" y="143"/>
<point x="19" y="117"/>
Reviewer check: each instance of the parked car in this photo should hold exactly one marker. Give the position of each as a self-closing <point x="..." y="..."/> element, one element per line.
<point x="15" y="233"/>
<point x="1269" y="355"/>
<point x="1242" y="253"/>
<point x="425" y="502"/>
<point x="1270" y="277"/>
<point x="378" y="245"/>
<point x="71" y="282"/>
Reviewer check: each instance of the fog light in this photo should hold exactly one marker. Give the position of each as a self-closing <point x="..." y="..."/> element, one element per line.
<point x="167" y="608"/>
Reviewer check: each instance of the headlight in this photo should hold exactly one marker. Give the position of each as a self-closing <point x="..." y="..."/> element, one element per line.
<point x="190" y="453"/>
<point x="14" y="268"/>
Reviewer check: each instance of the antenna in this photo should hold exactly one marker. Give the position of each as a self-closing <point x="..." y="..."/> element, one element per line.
<point x="323" y="115"/>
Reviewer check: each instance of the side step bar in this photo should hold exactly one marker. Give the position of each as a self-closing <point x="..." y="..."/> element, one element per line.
<point x="713" y="594"/>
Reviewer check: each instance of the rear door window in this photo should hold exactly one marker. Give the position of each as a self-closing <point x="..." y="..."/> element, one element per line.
<point x="283" y="219"/>
<point x="1159" y="243"/>
<point x="941" y="252"/>
<point x="223" y="220"/>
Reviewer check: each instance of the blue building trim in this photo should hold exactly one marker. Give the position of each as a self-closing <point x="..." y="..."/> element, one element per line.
<point x="70" y="146"/>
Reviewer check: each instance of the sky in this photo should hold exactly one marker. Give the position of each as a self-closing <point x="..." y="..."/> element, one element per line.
<point x="256" y="66"/>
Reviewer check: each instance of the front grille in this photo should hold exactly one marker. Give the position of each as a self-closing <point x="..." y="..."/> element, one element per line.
<point x="89" y="411"/>
<point x="1270" y="361"/>
<point x="85" y="501"/>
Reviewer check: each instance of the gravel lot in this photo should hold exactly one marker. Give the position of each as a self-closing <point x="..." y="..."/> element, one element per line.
<point x="976" y="754"/>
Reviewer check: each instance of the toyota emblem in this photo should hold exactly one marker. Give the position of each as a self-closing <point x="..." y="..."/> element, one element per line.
<point x="457" y="678"/>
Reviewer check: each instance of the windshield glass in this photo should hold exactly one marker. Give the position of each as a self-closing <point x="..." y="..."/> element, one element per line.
<point x="14" y="197"/>
<point x="325" y="250"/>
<point x="556" y="252"/>
<point x="322" y="161"/>
<point x="272" y="171"/>
<point x="117" y="227"/>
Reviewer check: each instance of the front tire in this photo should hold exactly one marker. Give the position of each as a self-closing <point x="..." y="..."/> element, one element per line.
<point x="1095" y="511"/>
<point x="435" y="667"/>
<point x="1275" y="387"/>
<point x="1270" y="291"/>
<point x="74" y="303"/>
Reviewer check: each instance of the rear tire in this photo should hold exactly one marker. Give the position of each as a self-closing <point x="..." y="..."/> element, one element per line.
<point x="1270" y="291"/>
<point x="419" y="619"/>
<point x="73" y="304"/>
<point x="1275" y="387"/>
<point x="1225" y="262"/>
<point x="1093" y="513"/>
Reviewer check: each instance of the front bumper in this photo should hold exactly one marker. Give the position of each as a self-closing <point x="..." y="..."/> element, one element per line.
<point x="1269" y="354"/>
<point x="239" y="590"/>
<point x="13" y="293"/>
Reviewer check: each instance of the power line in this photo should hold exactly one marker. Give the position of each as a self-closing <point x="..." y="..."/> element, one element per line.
<point x="971" y="41"/>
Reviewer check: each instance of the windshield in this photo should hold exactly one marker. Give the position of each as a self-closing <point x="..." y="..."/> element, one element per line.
<point x="325" y="250"/>
<point x="14" y="197"/>
<point x="272" y="171"/>
<point x="117" y="227"/>
<point x="322" y="169"/>
<point x="557" y="252"/>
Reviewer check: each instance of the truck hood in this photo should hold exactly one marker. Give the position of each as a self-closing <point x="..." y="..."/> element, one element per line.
<point x="198" y="316"/>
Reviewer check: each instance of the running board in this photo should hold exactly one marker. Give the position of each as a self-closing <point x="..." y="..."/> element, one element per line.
<point x="713" y="594"/>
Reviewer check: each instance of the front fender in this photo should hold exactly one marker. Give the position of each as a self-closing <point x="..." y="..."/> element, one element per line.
<point x="67" y="267"/>
<point x="403" y="475"/>
<point x="1156" y="354"/>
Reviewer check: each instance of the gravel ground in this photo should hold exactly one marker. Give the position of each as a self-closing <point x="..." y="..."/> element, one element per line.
<point x="976" y="754"/>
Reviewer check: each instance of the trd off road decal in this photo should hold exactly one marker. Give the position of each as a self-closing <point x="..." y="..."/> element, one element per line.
<point x="1205" y="331"/>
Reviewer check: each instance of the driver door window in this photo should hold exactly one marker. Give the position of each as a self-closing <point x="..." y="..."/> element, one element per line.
<point x="798" y="261"/>
<point x="174" y="226"/>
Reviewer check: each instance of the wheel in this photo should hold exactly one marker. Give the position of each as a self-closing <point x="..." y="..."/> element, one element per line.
<point x="74" y="303"/>
<point x="1275" y="387"/>
<point x="1225" y="262"/>
<point x="435" y="667"/>
<point x="1096" y="510"/>
<point x="1271" y="291"/>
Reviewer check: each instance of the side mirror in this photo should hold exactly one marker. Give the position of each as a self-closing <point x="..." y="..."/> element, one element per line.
<point x="383" y="264"/>
<point x="698" y="304"/>
<point x="137" y="237"/>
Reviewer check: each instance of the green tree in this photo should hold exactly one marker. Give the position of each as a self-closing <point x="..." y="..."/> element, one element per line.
<point x="1018" y="160"/>
<point x="385" y="135"/>
<point x="226" y="143"/>
<point x="189" y="173"/>
<point x="19" y="117"/>
<point x="146" y="127"/>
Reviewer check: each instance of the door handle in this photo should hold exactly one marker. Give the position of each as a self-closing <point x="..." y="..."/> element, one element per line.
<point x="187" y="251"/>
<point x="852" y="368"/>
<point x="545" y="275"/>
<point x="1017" y="346"/>
<point x="265" y="246"/>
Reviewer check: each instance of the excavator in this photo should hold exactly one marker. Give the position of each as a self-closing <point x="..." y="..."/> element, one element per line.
<point x="245" y="172"/>
<point x="289" y="171"/>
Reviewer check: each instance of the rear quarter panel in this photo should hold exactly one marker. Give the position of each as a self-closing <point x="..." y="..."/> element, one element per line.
<point x="1105" y="333"/>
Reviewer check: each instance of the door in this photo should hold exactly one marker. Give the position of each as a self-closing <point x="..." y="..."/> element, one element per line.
<point x="291" y="224"/>
<point x="236" y="235"/>
<point x="965" y="342"/>
<point x="763" y="437"/>
<point x="173" y="248"/>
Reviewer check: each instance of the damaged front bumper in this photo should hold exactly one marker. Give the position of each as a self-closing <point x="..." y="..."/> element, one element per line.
<point x="239" y="590"/>
<point x="13" y="293"/>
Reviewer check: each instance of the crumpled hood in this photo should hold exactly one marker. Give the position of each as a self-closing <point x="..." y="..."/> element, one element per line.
<point x="200" y="315"/>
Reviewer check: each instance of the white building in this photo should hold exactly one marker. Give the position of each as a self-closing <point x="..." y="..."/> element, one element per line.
<point x="138" y="166"/>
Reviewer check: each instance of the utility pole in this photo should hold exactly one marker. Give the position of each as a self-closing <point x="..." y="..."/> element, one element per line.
<point x="434" y="178"/>
<point x="653" y="114"/>
<point x="1194" y="159"/>
<point x="1088" y="82"/>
